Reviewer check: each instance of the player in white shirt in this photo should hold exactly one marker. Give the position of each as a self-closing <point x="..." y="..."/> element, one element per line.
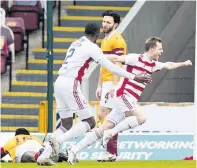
<point x="68" y="95"/>
<point x="126" y="113"/>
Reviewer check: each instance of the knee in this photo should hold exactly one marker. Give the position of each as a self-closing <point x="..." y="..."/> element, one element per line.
<point x="142" y="119"/>
<point x="91" y="121"/>
<point x="100" y="115"/>
<point x="103" y="112"/>
<point x="67" y="123"/>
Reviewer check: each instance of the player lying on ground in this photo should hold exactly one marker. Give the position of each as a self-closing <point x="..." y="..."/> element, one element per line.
<point x="126" y="113"/>
<point x="68" y="95"/>
<point x="25" y="148"/>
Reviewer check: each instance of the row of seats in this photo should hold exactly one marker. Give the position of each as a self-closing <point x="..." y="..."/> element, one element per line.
<point x="23" y="17"/>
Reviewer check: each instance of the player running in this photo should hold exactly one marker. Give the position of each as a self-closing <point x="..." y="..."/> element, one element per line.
<point x="126" y="113"/>
<point x="68" y="95"/>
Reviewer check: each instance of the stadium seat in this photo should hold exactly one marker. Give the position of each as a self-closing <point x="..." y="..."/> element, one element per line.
<point x="31" y="14"/>
<point x="7" y="33"/>
<point x="4" y="54"/>
<point x="7" y="44"/>
<point x="18" y="28"/>
<point x="25" y="3"/>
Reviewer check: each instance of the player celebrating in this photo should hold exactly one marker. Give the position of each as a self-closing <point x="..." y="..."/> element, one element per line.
<point x="127" y="114"/>
<point x="68" y="95"/>
<point x="113" y="43"/>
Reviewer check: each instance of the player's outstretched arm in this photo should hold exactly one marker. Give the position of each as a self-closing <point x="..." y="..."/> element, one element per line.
<point x="174" y="65"/>
<point x="121" y="72"/>
<point x="115" y="58"/>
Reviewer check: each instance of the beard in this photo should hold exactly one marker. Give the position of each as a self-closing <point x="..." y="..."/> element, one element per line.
<point x="107" y="31"/>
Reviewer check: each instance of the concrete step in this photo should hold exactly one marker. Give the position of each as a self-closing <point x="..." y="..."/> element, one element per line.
<point x="79" y="21"/>
<point x="106" y="3"/>
<point x="20" y="109"/>
<point x="29" y="86"/>
<point x="23" y="97"/>
<point x="68" y="32"/>
<point x="64" y="42"/>
<point x="19" y="120"/>
<point x="34" y="75"/>
<point x="41" y="53"/>
<point x="95" y="10"/>
<point x="41" y="64"/>
<point x="13" y="128"/>
<point x="71" y="32"/>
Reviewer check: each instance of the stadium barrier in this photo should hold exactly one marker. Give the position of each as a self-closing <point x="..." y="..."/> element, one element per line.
<point x="161" y="117"/>
<point x="135" y="146"/>
<point x="43" y="116"/>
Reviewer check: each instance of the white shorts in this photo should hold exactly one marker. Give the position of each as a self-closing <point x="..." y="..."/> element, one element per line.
<point x="121" y="105"/>
<point x="106" y="102"/>
<point x="29" y="145"/>
<point x="69" y="98"/>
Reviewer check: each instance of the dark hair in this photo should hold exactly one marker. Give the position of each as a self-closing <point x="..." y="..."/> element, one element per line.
<point x="151" y="42"/>
<point x="92" y="29"/>
<point x="23" y="131"/>
<point x="113" y="14"/>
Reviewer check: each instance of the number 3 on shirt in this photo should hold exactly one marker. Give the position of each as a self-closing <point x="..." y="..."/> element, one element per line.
<point x="69" y="54"/>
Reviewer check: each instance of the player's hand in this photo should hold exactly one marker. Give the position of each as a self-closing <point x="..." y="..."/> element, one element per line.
<point x="98" y="93"/>
<point x="188" y="63"/>
<point x="143" y="78"/>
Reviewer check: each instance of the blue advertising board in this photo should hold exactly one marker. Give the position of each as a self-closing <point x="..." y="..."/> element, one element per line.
<point x="143" y="147"/>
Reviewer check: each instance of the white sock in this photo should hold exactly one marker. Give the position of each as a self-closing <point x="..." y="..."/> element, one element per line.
<point x="47" y="151"/>
<point x="58" y="132"/>
<point x="127" y="123"/>
<point x="88" y="140"/>
<point x="76" y="130"/>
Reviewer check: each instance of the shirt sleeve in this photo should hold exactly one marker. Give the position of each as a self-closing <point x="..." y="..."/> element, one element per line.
<point x="131" y="59"/>
<point x="119" y="46"/>
<point x="114" y="68"/>
<point x="97" y="54"/>
<point x="8" y="145"/>
<point x="158" y="66"/>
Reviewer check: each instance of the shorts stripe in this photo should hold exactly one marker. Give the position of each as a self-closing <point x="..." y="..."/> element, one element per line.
<point x="76" y="96"/>
<point x="130" y="107"/>
<point x="57" y="116"/>
<point x="58" y="125"/>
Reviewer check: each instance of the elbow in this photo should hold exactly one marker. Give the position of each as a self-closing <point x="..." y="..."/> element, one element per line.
<point x="169" y="68"/>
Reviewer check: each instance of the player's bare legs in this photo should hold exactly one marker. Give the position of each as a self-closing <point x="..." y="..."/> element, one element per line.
<point x="133" y="119"/>
<point x="89" y="139"/>
<point x="112" y="145"/>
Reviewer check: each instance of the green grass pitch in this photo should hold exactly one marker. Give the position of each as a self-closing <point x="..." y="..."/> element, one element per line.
<point x="119" y="164"/>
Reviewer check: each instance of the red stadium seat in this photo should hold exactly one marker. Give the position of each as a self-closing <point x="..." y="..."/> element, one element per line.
<point x="4" y="54"/>
<point x="30" y="14"/>
<point x="18" y="28"/>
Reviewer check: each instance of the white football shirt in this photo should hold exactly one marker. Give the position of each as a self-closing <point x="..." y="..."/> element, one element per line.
<point x="136" y="64"/>
<point x="78" y="58"/>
